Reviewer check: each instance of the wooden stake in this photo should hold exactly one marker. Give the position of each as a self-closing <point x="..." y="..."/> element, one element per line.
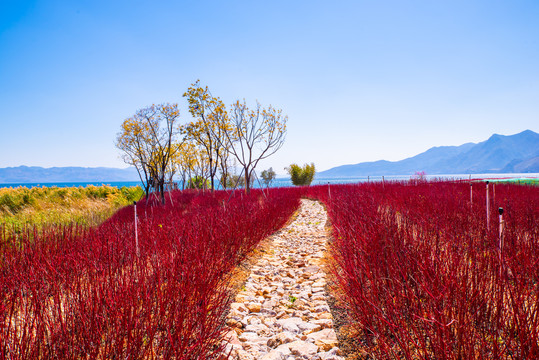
<point x="136" y="230"/>
<point x="329" y="191"/>
<point x="488" y="209"/>
<point x="471" y="195"/>
<point x="500" y="238"/>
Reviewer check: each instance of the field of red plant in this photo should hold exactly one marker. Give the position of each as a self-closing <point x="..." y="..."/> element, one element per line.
<point x="421" y="273"/>
<point x="78" y="293"/>
<point x="424" y="277"/>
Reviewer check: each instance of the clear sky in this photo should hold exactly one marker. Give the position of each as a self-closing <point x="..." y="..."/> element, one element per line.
<point x="359" y="80"/>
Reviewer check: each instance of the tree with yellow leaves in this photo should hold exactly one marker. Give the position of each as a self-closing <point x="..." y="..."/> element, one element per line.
<point x="147" y="140"/>
<point x="190" y="162"/>
<point x="209" y="127"/>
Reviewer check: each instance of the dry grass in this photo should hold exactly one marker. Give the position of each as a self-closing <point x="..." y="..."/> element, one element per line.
<point x="39" y="206"/>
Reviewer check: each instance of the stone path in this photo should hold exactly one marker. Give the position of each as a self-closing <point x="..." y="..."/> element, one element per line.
<point x="281" y="313"/>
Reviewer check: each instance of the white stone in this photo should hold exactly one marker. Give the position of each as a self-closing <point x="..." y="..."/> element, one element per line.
<point x="248" y="336"/>
<point x="302" y="348"/>
<point x="325" y="339"/>
<point x="309" y="327"/>
<point x="273" y="355"/>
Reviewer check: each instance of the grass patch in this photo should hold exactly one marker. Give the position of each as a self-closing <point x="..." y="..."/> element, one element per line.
<point x="39" y="206"/>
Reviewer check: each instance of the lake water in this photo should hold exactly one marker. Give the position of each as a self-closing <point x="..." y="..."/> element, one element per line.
<point x="280" y="182"/>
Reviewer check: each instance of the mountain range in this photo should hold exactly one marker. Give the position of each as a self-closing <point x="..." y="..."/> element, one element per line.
<point x="517" y="153"/>
<point x="35" y="174"/>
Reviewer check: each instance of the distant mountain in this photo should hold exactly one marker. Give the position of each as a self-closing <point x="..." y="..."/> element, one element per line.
<point x="34" y="174"/>
<point x="526" y="166"/>
<point x="498" y="154"/>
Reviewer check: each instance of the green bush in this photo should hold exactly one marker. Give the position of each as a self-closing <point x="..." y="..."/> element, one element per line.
<point x="9" y="203"/>
<point x="132" y="193"/>
<point x="198" y="182"/>
<point x="301" y="176"/>
<point x="236" y="181"/>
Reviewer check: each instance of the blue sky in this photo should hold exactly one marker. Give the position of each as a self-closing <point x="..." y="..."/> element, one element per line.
<point x="359" y="80"/>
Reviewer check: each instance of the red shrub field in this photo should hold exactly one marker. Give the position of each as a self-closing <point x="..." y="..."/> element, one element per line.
<point x="76" y="293"/>
<point x="424" y="278"/>
<point x="420" y="273"/>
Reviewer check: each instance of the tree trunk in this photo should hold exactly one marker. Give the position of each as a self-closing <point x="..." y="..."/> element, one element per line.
<point x="147" y="191"/>
<point x="212" y="173"/>
<point x="162" y="191"/>
<point x="247" y="182"/>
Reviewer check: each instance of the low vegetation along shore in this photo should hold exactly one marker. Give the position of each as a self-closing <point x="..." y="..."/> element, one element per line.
<point x="58" y="205"/>
<point x="415" y="270"/>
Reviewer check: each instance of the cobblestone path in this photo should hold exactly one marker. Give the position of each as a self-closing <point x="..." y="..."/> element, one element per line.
<point x="282" y="312"/>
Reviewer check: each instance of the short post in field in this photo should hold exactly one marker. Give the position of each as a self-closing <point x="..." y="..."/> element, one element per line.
<point x="500" y="237"/>
<point x="329" y="191"/>
<point x="136" y="230"/>
<point x="471" y="195"/>
<point x="488" y="209"/>
<point x="500" y="211"/>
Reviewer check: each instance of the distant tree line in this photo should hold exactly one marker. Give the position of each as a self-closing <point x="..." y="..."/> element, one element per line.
<point x="206" y="150"/>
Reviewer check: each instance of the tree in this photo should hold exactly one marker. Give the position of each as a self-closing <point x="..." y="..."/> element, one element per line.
<point x="190" y="162"/>
<point x="209" y="126"/>
<point x="301" y="175"/>
<point x="133" y="140"/>
<point x="255" y="135"/>
<point x="268" y="176"/>
<point x="148" y="141"/>
<point x="225" y="168"/>
<point x="236" y="181"/>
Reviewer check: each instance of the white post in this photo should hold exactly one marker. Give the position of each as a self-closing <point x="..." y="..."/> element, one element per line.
<point x="488" y="209"/>
<point x="500" y="211"/>
<point x="329" y="191"/>
<point x="136" y="230"/>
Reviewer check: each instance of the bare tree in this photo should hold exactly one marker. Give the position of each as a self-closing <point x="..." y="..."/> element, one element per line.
<point x="147" y="140"/>
<point x="255" y="135"/>
<point x="134" y="141"/>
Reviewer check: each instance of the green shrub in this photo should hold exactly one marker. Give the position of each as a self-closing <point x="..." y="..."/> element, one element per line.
<point x="236" y="181"/>
<point x="198" y="182"/>
<point x="301" y="176"/>
<point x="9" y="203"/>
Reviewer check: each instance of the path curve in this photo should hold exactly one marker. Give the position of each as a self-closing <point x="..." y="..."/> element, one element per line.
<point x="281" y="312"/>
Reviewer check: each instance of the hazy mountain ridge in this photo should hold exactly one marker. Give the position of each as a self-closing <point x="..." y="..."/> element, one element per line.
<point x="517" y="153"/>
<point x="36" y="174"/>
<point x="498" y="154"/>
